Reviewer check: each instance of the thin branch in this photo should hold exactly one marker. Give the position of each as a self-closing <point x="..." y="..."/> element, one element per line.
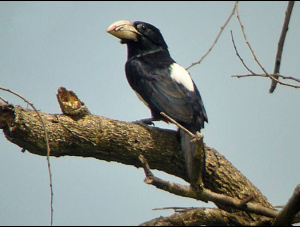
<point x="285" y="28"/>
<point x="3" y="100"/>
<point x="177" y="124"/>
<point x="217" y="38"/>
<point x="177" y="209"/>
<point x="255" y="57"/>
<point x="247" y="42"/>
<point x="239" y="56"/>
<point x="205" y="195"/>
<point x="286" y="216"/>
<point x="145" y="166"/>
<point x="264" y="75"/>
<point x="47" y="144"/>
<point x="259" y="75"/>
<point x="197" y="138"/>
<point x="288" y="213"/>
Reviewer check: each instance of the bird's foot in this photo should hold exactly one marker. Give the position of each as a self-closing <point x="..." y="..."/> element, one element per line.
<point x="145" y="122"/>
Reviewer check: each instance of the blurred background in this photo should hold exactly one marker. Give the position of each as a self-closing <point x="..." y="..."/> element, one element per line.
<point x="45" y="45"/>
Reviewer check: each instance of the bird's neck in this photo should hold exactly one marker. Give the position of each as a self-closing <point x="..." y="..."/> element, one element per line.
<point x="135" y="50"/>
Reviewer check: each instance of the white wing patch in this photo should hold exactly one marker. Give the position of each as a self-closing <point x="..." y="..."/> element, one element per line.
<point x="180" y="75"/>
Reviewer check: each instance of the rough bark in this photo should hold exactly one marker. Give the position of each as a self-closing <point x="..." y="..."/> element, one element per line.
<point x="86" y="135"/>
<point x="112" y="140"/>
<point x="203" y="216"/>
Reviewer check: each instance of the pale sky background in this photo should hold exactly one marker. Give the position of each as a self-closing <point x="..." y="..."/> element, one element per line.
<point x="45" y="45"/>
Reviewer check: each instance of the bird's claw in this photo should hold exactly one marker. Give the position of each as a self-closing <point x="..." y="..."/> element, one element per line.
<point x="145" y="122"/>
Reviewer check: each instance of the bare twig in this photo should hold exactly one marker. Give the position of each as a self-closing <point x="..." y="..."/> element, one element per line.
<point x="264" y="75"/>
<point x="285" y="28"/>
<point x="247" y="42"/>
<point x="245" y="201"/>
<point x="259" y="75"/>
<point x="206" y="195"/>
<point x="3" y="100"/>
<point x="288" y="213"/>
<point x="177" y="124"/>
<point x="198" y="137"/>
<point x="46" y="140"/>
<point x="217" y="38"/>
<point x="239" y="56"/>
<point x="255" y="57"/>
<point x="176" y="209"/>
<point x="146" y="166"/>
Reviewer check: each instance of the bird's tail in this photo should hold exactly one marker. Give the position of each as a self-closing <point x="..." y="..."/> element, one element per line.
<point x="188" y="151"/>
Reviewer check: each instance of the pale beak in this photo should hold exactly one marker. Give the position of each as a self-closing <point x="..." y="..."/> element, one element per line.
<point x="123" y="29"/>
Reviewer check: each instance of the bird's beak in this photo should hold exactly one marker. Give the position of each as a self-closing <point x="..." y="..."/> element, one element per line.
<point x="123" y="29"/>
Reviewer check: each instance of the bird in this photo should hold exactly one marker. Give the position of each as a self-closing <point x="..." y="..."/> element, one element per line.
<point x="160" y="83"/>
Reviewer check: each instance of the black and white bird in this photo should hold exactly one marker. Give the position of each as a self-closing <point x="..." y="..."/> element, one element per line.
<point x="161" y="83"/>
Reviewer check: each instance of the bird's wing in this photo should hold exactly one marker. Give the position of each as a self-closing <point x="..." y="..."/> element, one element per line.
<point x="160" y="91"/>
<point x="169" y="97"/>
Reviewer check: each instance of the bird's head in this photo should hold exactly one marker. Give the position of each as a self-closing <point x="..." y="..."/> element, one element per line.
<point x="140" y="35"/>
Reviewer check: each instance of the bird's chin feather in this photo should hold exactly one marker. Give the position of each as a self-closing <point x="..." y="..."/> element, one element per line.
<point x="124" y="41"/>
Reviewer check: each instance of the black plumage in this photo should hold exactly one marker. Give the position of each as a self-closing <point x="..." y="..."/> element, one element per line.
<point x="161" y="83"/>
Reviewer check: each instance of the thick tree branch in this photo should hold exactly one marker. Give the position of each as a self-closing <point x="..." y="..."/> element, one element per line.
<point x="203" y="217"/>
<point x="112" y="140"/>
<point x="88" y="135"/>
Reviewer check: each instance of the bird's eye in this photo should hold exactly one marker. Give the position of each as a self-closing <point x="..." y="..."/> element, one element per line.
<point x="143" y="27"/>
